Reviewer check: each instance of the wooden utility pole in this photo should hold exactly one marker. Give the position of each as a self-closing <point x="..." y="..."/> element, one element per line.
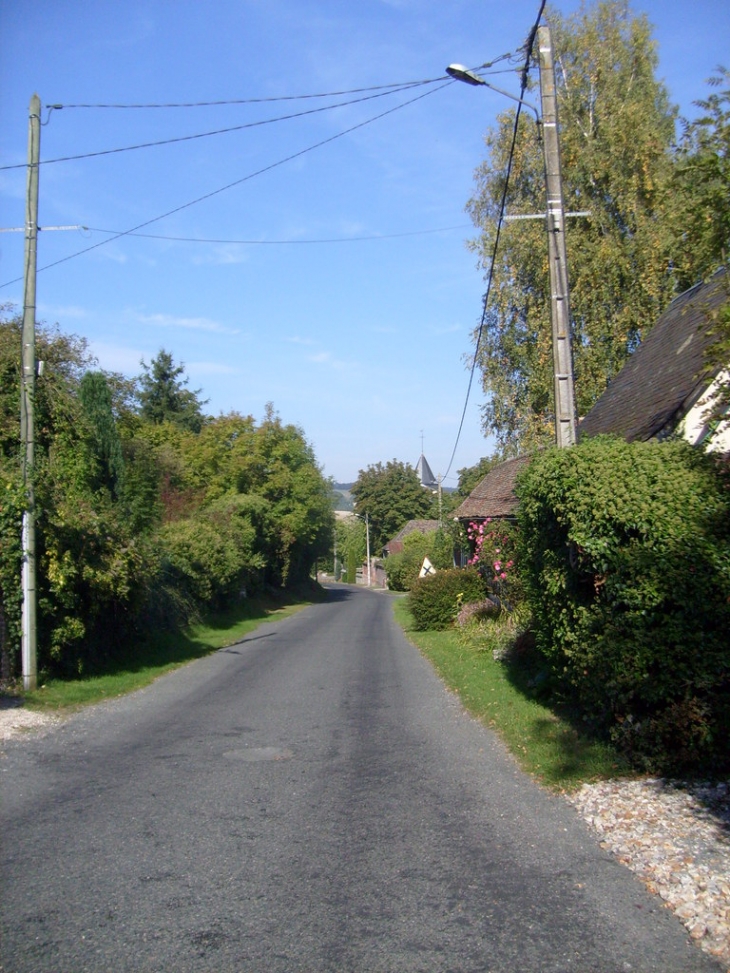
<point x="565" y="421"/>
<point x="27" y="399"/>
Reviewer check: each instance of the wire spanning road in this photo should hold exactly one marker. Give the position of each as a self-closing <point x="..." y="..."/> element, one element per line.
<point x="310" y="799"/>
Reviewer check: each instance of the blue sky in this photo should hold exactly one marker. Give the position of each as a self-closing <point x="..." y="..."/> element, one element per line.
<point x="340" y="287"/>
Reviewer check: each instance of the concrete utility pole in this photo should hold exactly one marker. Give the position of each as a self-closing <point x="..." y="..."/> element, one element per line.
<point x="27" y="398"/>
<point x="367" y="544"/>
<point x="565" y="421"/>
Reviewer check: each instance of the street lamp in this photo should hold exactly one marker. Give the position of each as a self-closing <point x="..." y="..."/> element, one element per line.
<point x="563" y="379"/>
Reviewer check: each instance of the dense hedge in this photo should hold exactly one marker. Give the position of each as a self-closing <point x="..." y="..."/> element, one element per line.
<point x="402" y="569"/>
<point x="625" y="555"/>
<point x="434" y="601"/>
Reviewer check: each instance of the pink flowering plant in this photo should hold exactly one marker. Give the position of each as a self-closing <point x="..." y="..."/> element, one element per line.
<point x="493" y="546"/>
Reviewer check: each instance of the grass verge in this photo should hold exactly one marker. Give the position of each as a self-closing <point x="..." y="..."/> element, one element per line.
<point x="163" y="652"/>
<point x="545" y="743"/>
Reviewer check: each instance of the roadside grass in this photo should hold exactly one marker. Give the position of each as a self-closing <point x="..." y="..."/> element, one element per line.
<point x="165" y="651"/>
<point x="544" y="741"/>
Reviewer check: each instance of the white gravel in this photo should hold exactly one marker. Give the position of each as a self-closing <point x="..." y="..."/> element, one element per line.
<point x="676" y="837"/>
<point x="16" y="720"/>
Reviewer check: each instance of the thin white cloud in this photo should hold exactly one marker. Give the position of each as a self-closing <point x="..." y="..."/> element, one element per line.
<point x="191" y="324"/>
<point x="226" y="255"/>
<point x="212" y="368"/>
<point x="61" y="312"/>
<point x="298" y="340"/>
<point x="117" y="358"/>
<point x="326" y="358"/>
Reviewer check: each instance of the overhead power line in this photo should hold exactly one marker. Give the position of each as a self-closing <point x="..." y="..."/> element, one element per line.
<point x="218" y="131"/>
<point x="237" y="182"/>
<point x="277" y="243"/>
<point x="274" y="98"/>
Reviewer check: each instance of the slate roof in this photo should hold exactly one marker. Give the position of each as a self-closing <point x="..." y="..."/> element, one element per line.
<point x="494" y="495"/>
<point x="660" y="381"/>
<point x="425" y="473"/>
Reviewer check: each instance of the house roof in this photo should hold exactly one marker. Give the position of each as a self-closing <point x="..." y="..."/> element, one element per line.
<point x="661" y="380"/>
<point x="494" y="496"/>
<point x="422" y="526"/>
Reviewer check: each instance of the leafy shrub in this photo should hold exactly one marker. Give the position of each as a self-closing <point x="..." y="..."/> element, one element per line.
<point x="434" y="601"/>
<point x="625" y="554"/>
<point x="402" y="569"/>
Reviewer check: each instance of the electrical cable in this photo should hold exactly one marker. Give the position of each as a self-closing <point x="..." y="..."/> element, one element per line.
<point x="278" y="243"/>
<point x="238" y="182"/>
<point x="503" y="205"/>
<point x="219" y="131"/>
<point x="254" y="101"/>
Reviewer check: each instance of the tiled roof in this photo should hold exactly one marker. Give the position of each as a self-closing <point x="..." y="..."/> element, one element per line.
<point x="423" y="526"/>
<point x="661" y="380"/>
<point x="494" y="496"/>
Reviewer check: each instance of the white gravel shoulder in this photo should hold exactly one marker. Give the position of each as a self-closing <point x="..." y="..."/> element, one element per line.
<point x="16" y="720"/>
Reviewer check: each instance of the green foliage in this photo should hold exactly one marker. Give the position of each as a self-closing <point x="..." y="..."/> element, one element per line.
<point x="434" y="601"/>
<point x="103" y="439"/>
<point x="625" y="554"/>
<point x="402" y="568"/>
<point x="214" y="554"/>
<point x="11" y="513"/>
<point x="163" y="395"/>
<point x="616" y="130"/>
<point x="351" y="545"/>
<point x="145" y="518"/>
<point x="470" y="476"/>
<point x="391" y="495"/>
<point x="699" y="199"/>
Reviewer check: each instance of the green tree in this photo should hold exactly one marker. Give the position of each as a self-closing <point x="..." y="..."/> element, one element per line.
<point x="700" y="190"/>
<point x="470" y="476"/>
<point x="616" y="130"/>
<point x="104" y="440"/>
<point x="300" y="519"/>
<point x="164" y="396"/>
<point x="351" y="543"/>
<point x="391" y="495"/>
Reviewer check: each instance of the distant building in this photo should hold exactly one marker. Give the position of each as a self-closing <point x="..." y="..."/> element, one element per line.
<point x="425" y="474"/>
<point x="395" y="545"/>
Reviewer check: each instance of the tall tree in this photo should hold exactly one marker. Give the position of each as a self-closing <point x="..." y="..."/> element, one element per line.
<point x="103" y="441"/>
<point x="700" y="191"/>
<point x="391" y="495"/>
<point x="164" y="396"/>
<point x="616" y="129"/>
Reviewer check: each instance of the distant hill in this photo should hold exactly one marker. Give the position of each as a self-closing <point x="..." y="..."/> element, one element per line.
<point x="341" y="496"/>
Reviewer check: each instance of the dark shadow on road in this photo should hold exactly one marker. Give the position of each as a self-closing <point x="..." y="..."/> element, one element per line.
<point x="231" y="649"/>
<point x="338" y="592"/>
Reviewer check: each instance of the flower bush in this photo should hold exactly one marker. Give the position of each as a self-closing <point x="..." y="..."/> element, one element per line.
<point x="494" y="546"/>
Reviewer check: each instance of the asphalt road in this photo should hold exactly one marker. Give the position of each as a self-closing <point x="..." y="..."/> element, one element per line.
<point x="310" y="799"/>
